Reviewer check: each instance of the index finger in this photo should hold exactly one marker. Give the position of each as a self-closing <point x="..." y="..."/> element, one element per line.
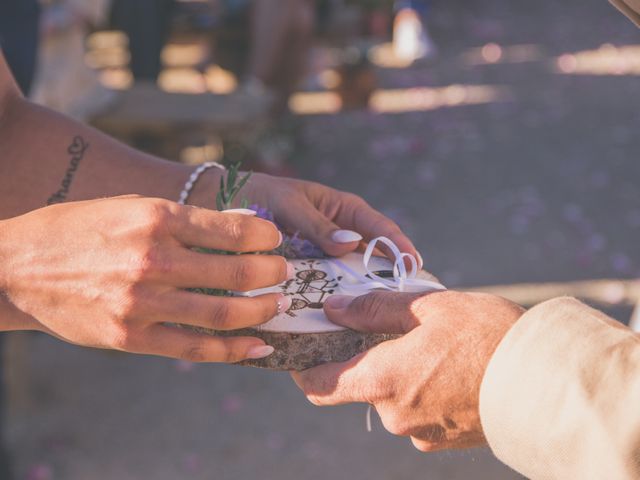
<point x="370" y="223"/>
<point x="366" y="378"/>
<point x="200" y="227"/>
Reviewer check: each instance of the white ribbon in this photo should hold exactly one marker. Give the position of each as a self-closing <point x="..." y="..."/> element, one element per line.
<point x="402" y="281"/>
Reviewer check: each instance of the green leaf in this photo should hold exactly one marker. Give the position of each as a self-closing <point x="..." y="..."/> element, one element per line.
<point x="243" y="181"/>
<point x="232" y="176"/>
<point x="228" y="188"/>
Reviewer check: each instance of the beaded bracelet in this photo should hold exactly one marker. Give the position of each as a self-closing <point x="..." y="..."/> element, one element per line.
<point x="188" y="186"/>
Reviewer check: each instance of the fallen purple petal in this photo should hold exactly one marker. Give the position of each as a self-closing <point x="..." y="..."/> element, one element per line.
<point x="40" y="472"/>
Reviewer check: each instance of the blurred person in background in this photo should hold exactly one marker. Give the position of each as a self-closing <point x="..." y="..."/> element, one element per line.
<point x="282" y="31"/>
<point x="278" y="36"/>
<point x="147" y="24"/>
<point x="63" y="80"/>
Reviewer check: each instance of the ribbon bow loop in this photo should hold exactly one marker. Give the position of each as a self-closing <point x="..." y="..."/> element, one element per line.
<point x="402" y="281"/>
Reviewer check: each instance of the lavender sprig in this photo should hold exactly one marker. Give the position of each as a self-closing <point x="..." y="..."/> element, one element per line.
<point x="230" y="188"/>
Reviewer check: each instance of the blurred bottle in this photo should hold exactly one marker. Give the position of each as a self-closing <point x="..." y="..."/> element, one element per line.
<point x="357" y="79"/>
<point x="411" y="40"/>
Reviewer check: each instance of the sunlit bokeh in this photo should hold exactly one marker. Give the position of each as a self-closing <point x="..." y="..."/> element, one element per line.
<point x="195" y="155"/>
<point x="403" y="99"/>
<point x="182" y="80"/>
<point x="116" y="78"/>
<point x="107" y="39"/>
<point x="329" y="79"/>
<point x="107" y="53"/>
<point x="184" y="54"/>
<point x="219" y="80"/>
<point x="108" y="49"/>
<point x="493" y="53"/>
<point x="315" y="103"/>
<point x="384" y="56"/>
<point x="432" y="98"/>
<point x="605" y="292"/>
<point x="109" y="57"/>
<point x="606" y="60"/>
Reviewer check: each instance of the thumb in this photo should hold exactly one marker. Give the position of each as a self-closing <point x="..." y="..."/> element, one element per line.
<point x="377" y="312"/>
<point x="316" y="227"/>
<point x="367" y="377"/>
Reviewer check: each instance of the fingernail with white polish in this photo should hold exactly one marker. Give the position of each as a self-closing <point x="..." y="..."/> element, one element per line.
<point x="420" y="261"/>
<point x="338" y="302"/>
<point x="345" y="236"/>
<point x="291" y="271"/>
<point x="241" y="211"/>
<point x="281" y="239"/>
<point x="260" y="352"/>
<point x="284" y="303"/>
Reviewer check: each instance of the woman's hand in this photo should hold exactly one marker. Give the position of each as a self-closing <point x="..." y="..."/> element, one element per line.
<point x="112" y="273"/>
<point x="335" y="221"/>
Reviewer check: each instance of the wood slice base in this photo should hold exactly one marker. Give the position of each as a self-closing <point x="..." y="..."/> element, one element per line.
<point x="299" y="351"/>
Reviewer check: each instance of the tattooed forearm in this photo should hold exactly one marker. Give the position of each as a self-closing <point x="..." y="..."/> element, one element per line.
<point x="77" y="149"/>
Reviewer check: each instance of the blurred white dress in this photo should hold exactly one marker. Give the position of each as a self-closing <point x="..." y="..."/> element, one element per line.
<point x="63" y="80"/>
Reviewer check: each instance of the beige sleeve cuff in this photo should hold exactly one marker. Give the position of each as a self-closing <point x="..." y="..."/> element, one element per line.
<point x="631" y="8"/>
<point x="561" y="395"/>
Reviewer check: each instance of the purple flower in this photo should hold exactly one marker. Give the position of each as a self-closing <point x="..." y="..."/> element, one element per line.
<point x="293" y="246"/>
<point x="262" y="212"/>
<point x="296" y="247"/>
<point x="40" y="472"/>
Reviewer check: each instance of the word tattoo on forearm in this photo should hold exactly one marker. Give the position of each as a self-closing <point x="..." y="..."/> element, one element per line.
<point x="76" y="149"/>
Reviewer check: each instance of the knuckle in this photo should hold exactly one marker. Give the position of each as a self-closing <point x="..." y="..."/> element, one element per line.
<point x="385" y="226"/>
<point x="244" y="273"/>
<point x="157" y="214"/>
<point x="150" y="262"/>
<point x="193" y="352"/>
<point x="128" y="304"/>
<point x="230" y="354"/>
<point x="368" y="305"/>
<point x="353" y="199"/>
<point x="239" y="232"/>
<point x="220" y="315"/>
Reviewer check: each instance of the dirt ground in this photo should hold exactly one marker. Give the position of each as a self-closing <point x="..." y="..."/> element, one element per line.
<point x="538" y="184"/>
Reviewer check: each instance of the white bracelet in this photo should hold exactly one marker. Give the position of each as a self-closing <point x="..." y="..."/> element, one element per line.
<point x="188" y="186"/>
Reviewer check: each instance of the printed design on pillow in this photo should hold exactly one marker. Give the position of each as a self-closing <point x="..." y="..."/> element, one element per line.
<point x="310" y="287"/>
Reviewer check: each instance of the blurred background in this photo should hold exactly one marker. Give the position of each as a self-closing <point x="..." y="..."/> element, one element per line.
<point x="500" y="135"/>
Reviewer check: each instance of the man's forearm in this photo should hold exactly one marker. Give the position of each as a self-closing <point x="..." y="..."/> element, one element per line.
<point x="46" y="157"/>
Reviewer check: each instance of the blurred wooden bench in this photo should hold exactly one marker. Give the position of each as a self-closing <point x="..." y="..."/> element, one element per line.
<point x="167" y="121"/>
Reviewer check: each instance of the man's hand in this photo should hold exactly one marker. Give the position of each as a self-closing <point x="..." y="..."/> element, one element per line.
<point x="112" y="273"/>
<point x="425" y="384"/>
<point x="335" y="221"/>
